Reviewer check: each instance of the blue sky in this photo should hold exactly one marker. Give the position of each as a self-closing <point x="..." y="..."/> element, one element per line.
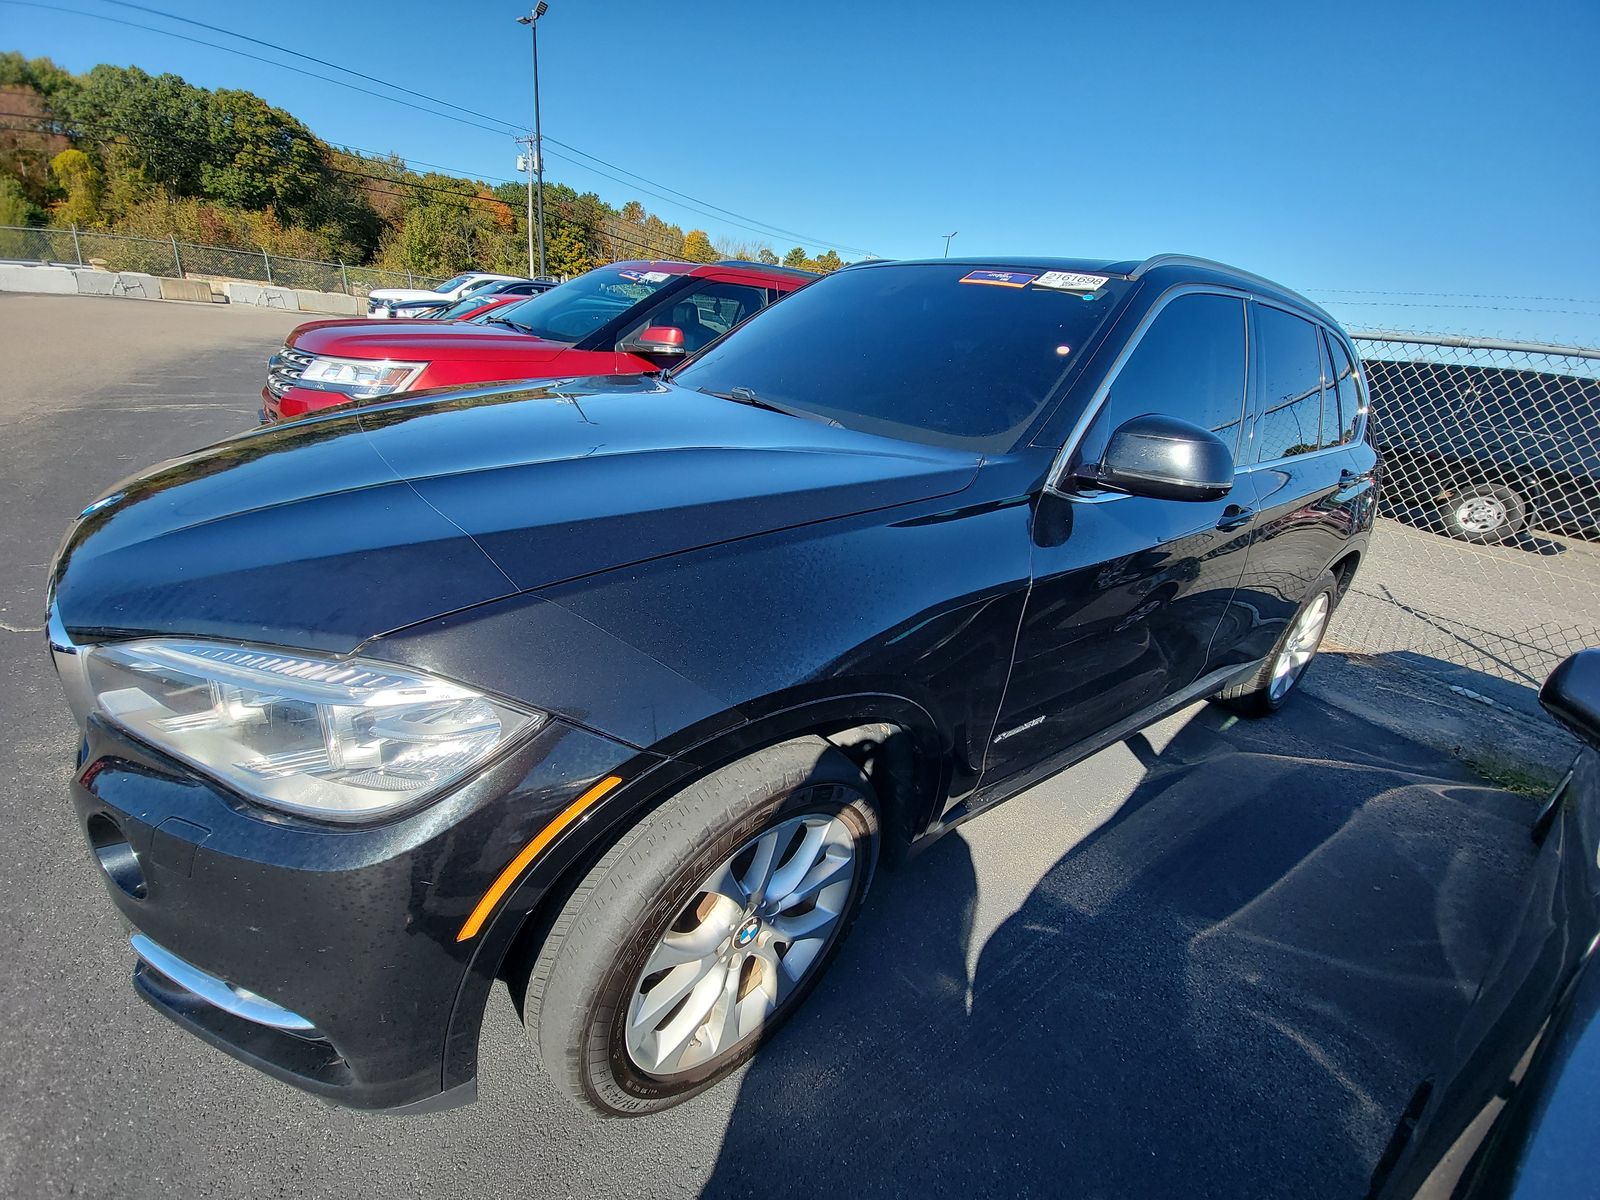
<point x="1342" y="149"/>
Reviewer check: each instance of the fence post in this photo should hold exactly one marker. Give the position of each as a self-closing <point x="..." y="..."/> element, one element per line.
<point x="410" y="282"/>
<point x="177" y="262"/>
<point x="268" y="263"/>
<point x="77" y="246"/>
<point x="344" y="278"/>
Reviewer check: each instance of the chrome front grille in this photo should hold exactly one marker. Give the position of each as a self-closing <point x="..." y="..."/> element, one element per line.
<point x="285" y="368"/>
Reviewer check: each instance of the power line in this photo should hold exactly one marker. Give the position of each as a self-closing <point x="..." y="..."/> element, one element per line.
<point x="282" y="66"/>
<point x="245" y="37"/>
<point x="768" y="231"/>
<point x="684" y="199"/>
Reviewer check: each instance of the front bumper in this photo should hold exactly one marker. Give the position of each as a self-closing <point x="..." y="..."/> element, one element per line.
<point x="287" y="403"/>
<point x="326" y="957"/>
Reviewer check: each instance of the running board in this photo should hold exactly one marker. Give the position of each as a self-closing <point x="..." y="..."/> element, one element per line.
<point x="987" y="797"/>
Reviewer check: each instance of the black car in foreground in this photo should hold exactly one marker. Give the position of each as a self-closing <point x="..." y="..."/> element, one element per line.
<point x="619" y="689"/>
<point x="1512" y="1109"/>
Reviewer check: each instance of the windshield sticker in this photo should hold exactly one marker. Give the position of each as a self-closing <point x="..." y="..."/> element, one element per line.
<point x="633" y="276"/>
<point x="655" y="277"/>
<point x="1071" y="281"/>
<point x="1013" y="279"/>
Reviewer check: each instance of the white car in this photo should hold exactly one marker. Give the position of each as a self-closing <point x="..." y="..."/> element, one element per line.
<point x="381" y="300"/>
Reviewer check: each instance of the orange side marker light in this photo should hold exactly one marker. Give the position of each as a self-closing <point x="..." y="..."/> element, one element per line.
<point x="519" y="864"/>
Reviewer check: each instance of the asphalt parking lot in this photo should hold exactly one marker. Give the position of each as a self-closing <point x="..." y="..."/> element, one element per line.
<point x="1214" y="960"/>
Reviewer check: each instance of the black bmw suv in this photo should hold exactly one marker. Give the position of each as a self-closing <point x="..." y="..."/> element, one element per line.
<point x="620" y="689"/>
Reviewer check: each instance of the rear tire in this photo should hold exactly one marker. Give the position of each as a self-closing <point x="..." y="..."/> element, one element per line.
<point x="1264" y="692"/>
<point x="614" y="998"/>
<point x="1484" y="513"/>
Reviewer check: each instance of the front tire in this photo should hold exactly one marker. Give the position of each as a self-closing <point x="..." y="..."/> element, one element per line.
<point x="703" y="929"/>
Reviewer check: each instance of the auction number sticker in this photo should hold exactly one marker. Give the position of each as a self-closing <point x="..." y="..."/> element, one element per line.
<point x="656" y="276"/>
<point x="1011" y="279"/>
<point x="1071" y="281"/>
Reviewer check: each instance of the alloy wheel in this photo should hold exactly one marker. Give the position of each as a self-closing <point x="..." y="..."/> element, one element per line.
<point x="741" y="945"/>
<point x="1304" y="638"/>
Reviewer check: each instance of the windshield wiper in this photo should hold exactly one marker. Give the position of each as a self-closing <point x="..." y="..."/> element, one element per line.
<point x="744" y="395"/>
<point x="508" y="323"/>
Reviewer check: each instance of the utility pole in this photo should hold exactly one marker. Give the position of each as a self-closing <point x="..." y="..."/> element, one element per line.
<point x="535" y="145"/>
<point x="947" y="237"/>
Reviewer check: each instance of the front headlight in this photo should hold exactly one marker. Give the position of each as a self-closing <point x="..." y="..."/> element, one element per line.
<point x="339" y="740"/>
<point x="360" y="377"/>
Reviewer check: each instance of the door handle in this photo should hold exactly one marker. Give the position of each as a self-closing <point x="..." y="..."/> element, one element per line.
<point x="1348" y="477"/>
<point x="1236" y="516"/>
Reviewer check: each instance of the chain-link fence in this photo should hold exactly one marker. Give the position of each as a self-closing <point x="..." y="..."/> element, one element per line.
<point x="180" y="260"/>
<point x="1487" y="552"/>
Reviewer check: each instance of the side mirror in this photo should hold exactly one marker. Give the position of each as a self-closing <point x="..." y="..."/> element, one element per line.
<point x="1164" y="458"/>
<point x="1572" y="695"/>
<point x="657" y="341"/>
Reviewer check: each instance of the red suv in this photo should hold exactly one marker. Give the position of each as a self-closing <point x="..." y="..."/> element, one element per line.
<point x="620" y="319"/>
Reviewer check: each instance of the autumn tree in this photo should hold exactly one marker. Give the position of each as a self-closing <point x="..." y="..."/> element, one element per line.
<point x="79" y="177"/>
<point x="697" y="247"/>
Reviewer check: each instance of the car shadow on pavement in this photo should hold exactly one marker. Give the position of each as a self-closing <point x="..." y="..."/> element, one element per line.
<point x="1229" y="988"/>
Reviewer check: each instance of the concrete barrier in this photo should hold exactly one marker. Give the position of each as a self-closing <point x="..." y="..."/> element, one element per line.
<point x="137" y="285"/>
<point x="95" y="283"/>
<point x="328" y="302"/>
<point x="55" y="280"/>
<point x="197" y="291"/>
<point x="261" y="296"/>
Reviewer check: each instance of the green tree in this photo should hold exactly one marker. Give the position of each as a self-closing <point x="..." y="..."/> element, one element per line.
<point x="15" y="207"/>
<point x="256" y="156"/>
<point x="40" y="74"/>
<point x="827" y="262"/>
<point x="795" y="257"/>
<point x="765" y="255"/>
<point x="433" y="239"/>
<point x="163" y="121"/>
<point x="79" y="176"/>
<point x="697" y="247"/>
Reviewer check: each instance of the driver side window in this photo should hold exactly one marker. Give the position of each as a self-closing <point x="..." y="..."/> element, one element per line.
<point x="1190" y="364"/>
<point x="704" y="313"/>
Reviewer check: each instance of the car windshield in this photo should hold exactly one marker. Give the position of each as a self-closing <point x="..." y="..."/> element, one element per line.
<point x="450" y="285"/>
<point x="574" y="310"/>
<point x="467" y="304"/>
<point x="935" y="353"/>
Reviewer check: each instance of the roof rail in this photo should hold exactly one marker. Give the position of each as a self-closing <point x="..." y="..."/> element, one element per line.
<point x="1191" y="260"/>
<point x="761" y="266"/>
<point x="1211" y="264"/>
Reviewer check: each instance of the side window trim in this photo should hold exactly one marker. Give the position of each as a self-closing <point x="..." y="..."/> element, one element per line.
<point x="1358" y="384"/>
<point x="1324" y="330"/>
<point x="1102" y="392"/>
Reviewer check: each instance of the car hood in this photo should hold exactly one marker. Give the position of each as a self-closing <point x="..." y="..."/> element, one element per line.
<point x="326" y="532"/>
<point x="424" y="341"/>
<point x="388" y="295"/>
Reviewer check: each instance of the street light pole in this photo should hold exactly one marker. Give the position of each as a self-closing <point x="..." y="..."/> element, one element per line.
<point x="535" y="145"/>
<point x="947" y="237"/>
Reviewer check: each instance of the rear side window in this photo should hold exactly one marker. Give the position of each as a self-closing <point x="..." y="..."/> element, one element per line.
<point x="1189" y="365"/>
<point x="1345" y="392"/>
<point x="1289" y="374"/>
